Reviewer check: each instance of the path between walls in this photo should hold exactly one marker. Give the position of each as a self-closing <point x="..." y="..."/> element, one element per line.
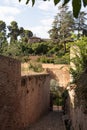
<point x="51" y="121"/>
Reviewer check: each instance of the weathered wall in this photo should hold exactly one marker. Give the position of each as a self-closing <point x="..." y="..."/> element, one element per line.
<point x="34" y="98"/>
<point x="22" y="99"/>
<point x="77" y="103"/>
<point x="58" y="72"/>
<point x="76" y="115"/>
<point x="9" y="93"/>
<point x="76" y="112"/>
<point x="79" y="119"/>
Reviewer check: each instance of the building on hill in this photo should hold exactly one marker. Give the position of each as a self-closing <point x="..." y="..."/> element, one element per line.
<point x="46" y="39"/>
<point x="34" y="40"/>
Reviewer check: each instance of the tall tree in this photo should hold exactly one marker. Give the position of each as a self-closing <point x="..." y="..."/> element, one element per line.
<point x="25" y="35"/>
<point x="62" y="28"/>
<point x="54" y="31"/>
<point x="2" y="32"/>
<point x="81" y="25"/>
<point x="14" y="31"/>
<point x="66" y="26"/>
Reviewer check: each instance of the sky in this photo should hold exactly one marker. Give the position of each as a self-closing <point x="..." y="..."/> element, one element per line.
<point x="38" y="18"/>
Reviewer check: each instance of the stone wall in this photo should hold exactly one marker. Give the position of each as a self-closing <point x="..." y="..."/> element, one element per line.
<point x="35" y="97"/>
<point x="76" y="105"/>
<point x="78" y="119"/>
<point x="58" y="72"/>
<point x="77" y="112"/>
<point x="10" y="74"/>
<point x="22" y="99"/>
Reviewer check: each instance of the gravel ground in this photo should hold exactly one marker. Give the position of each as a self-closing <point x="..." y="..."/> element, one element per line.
<point x="51" y="121"/>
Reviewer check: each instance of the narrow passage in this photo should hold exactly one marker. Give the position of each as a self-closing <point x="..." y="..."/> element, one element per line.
<point x="51" y="121"/>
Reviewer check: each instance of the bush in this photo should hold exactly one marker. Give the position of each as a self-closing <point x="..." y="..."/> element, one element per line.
<point x="44" y="59"/>
<point x="40" y="48"/>
<point x="80" y="60"/>
<point x="36" y="67"/>
<point x="24" y="59"/>
<point x="58" y="101"/>
<point x="65" y="59"/>
<point x="80" y="73"/>
<point x="11" y="50"/>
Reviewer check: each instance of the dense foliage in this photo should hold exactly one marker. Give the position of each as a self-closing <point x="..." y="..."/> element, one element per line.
<point x="57" y="92"/>
<point x="62" y="27"/>
<point x="65" y="25"/>
<point x="14" y="43"/>
<point x="47" y="52"/>
<point x="79" y="73"/>
<point x="13" y="32"/>
<point x="14" y="40"/>
<point x="80" y="59"/>
<point x="36" y="67"/>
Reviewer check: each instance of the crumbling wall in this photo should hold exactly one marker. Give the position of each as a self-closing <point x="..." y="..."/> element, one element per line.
<point x="10" y="73"/>
<point x="77" y="114"/>
<point x="78" y="119"/>
<point x="77" y="104"/>
<point x="34" y="98"/>
<point x="22" y="99"/>
<point x="58" y="72"/>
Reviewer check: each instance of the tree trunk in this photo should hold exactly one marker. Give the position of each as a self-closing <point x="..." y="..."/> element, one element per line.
<point x="64" y="47"/>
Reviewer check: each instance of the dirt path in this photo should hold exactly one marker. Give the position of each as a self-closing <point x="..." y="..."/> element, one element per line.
<point x="51" y="121"/>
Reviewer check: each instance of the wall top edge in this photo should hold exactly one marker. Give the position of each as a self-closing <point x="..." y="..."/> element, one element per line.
<point x="35" y="75"/>
<point x="9" y="58"/>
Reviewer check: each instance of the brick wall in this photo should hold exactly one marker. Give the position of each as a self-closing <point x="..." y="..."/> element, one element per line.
<point x="78" y="110"/>
<point x="22" y="99"/>
<point x="58" y="72"/>
<point x="76" y="114"/>
<point x="35" y="97"/>
<point x="79" y="119"/>
<point x="9" y="93"/>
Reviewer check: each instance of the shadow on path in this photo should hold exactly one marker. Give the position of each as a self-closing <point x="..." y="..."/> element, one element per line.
<point x="51" y="121"/>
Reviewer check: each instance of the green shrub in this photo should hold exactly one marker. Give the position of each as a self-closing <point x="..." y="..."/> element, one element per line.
<point x="24" y="59"/>
<point x="80" y="61"/>
<point x="65" y="59"/>
<point x="58" y="101"/>
<point x="44" y="59"/>
<point x="79" y="74"/>
<point x="36" y="67"/>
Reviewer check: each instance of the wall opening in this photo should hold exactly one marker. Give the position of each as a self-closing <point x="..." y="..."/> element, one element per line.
<point x="56" y="95"/>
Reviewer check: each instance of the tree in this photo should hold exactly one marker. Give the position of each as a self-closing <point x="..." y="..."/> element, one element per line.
<point x="14" y="31"/>
<point x="66" y="26"/>
<point x="76" y="4"/>
<point x="80" y="24"/>
<point x="54" y="31"/>
<point x="2" y="32"/>
<point x="25" y="35"/>
<point x="62" y="27"/>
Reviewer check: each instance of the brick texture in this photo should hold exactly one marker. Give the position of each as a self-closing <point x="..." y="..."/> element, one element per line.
<point x="35" y="97"/>
<point x="9" y="93"/>
<point x="58" y="72"/>
<point x="22" y="99"/>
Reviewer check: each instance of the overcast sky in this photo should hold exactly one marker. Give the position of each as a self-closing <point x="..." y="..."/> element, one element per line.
<point x="38" y="18"/>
